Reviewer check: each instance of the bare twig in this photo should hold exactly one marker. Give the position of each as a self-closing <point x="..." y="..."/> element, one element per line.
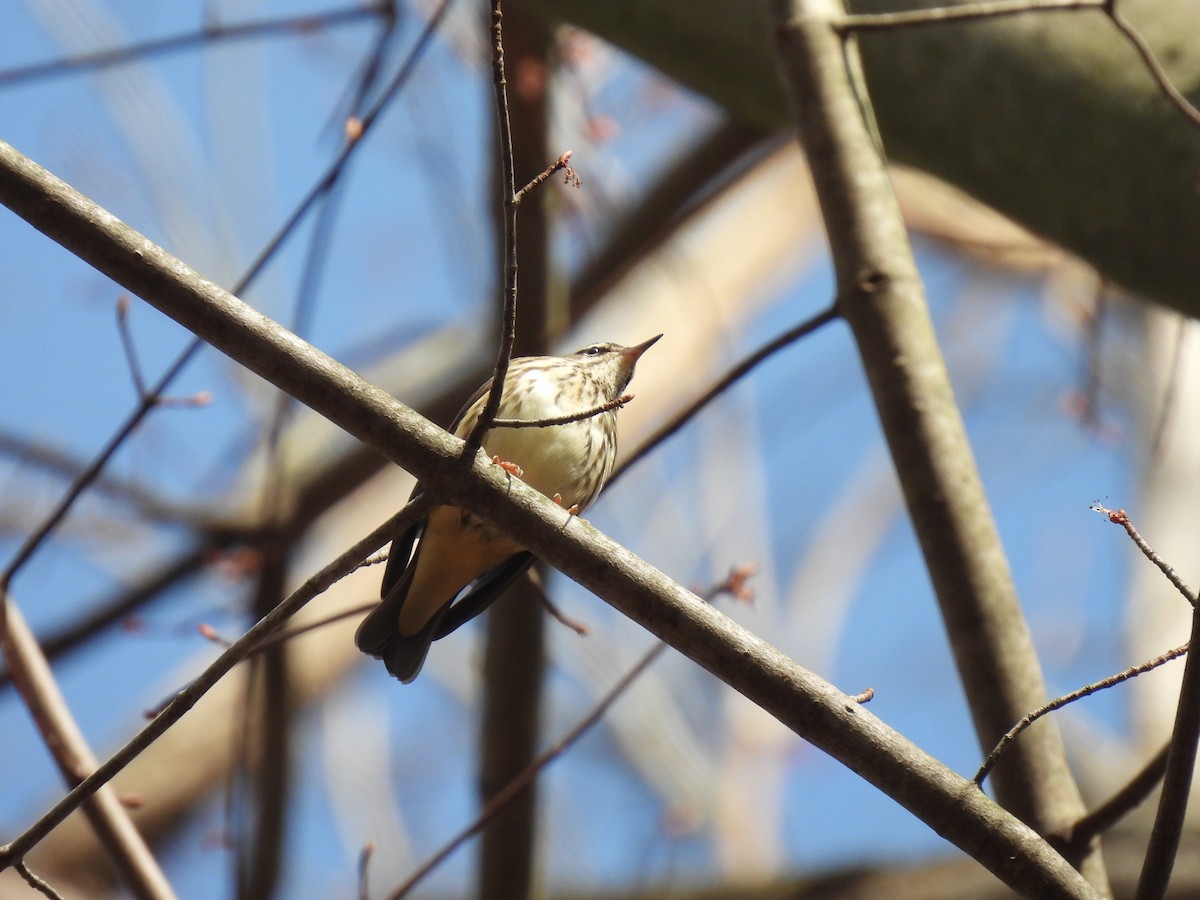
<point x="508" y="318"/>
<point x="1120" y="517"/>
<point x="15" y="850"/>
<point x="200" y="398"/>
<point x="284" y="636"/>
<point x="535" y="579"/>
<point x="1062" y="701"/>
<point x="1165" y="85"/>
<point x="135" y="369"/>
<point x="562" y="618"/>
<point x="511" y="790"/>
<point x="563" y="420"/>
<point x="966" y="12"/>
<point x="36" y="882"/>
<point x="211" y="635"/>
<point x="559" y="164"/>
<point x="512" y="663"/>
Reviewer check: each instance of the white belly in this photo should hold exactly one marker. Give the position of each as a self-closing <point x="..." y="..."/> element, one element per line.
<point x="553" y="458"/>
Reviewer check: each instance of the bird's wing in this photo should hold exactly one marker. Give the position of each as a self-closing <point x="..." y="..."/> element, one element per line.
<point x="377" y="635"/>
<point x="378" y="628"/>
<point x="487" y="588"/>
<point x="404" y="656"/>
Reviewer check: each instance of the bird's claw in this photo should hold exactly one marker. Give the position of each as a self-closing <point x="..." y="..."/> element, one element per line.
<point x="510" y="467"/>
<point x="572" y="510"/>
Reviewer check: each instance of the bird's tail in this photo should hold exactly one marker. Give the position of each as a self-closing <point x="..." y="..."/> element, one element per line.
<point x="377" y="635"/>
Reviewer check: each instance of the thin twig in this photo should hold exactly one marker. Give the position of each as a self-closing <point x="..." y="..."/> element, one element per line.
<point x="941" y="15"/>
<point x="1059" y="702"/>
<point x="1120" y="517"/>
<point x="209" y="633"/>
<point x="1161" y="78"/>
<point x="189" y="696"/>
<point x="536" y="582"/>
<point x="135" y="369"/>
<point x="212" y="635"/>
<point x="572" y="178"/>
<point x="563" y="420"/>
<point x="734" y="584"/>
<point x="741" y="370"/>
<point x="36" y="882"/>
<point x="1177" y="780"/>
<point x="563" y="619"/>
<point x="508" y="317"/>
<point x="200" y="398"/>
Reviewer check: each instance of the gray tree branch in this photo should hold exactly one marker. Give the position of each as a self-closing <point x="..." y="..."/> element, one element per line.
<point x="881" y="297"/>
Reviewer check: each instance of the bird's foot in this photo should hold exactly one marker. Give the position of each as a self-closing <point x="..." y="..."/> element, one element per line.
<point x="572" y="510"/>
<point x="510" y="467"/>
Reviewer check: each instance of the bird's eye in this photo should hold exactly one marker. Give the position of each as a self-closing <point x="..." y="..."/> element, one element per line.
<point x="593" y="350"/>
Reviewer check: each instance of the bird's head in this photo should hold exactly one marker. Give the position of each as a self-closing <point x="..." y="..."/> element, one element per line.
<point x="612" y="364"/>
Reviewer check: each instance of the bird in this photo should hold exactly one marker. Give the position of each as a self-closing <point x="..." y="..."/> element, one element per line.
<point x="569" y="462"/>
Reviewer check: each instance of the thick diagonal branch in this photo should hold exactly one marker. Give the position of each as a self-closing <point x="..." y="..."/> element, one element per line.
<point x="808" y="705"/>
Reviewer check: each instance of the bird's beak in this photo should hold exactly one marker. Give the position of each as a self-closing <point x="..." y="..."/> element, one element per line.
<point x="632" y="354"/>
